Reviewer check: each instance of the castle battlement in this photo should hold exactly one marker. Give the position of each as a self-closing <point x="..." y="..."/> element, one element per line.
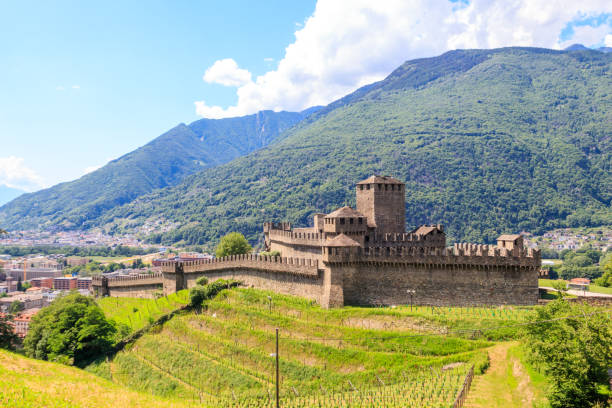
<point x="298" y="266"/>
<point x="117" y="280"/>
<point x="476" y="255"/>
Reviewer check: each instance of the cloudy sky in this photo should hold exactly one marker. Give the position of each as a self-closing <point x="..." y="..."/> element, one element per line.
<point x="81" y="84"/>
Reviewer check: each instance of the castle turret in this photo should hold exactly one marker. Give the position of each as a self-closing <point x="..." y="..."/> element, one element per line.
<point x="382" y="200"/>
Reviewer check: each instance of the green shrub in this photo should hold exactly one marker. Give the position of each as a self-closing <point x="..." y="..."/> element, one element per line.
<point x="199" y="293"/>
<point x="201" y="281"/>
<point x="270" y="253"/>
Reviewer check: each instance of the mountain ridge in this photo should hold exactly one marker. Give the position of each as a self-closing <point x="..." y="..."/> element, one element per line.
<point x="488" y="141"/>
<point x="165" y="160"/>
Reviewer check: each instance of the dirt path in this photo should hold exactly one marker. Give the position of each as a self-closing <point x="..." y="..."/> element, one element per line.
<point x="505" y="384"/>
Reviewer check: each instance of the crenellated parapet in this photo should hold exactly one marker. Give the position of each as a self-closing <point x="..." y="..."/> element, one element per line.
<point x="130" y="280"/>
<point x="460" y="254"/>
<point x="408" y="239"/>
<point x="299" y="238"/>
<point x="296" y="266"/>
<point x="142" y="285"/>
<point x="278" y="226"/>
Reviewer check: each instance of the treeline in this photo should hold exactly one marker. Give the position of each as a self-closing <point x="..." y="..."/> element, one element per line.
<point x="107" y="251"/>
<point x="585" y="262"/>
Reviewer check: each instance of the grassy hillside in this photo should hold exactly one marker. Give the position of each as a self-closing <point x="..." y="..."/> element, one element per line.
<point x="164" y="161"/>
<point x="488" y="141"/>
<point x="28" y="383"/>
<point x="136" y="313"/>
<point x="224" y="355"/>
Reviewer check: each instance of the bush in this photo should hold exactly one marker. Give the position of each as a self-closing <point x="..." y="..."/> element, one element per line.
<point x="233" y="243"/>
<point x="72" y="330"/>
<point x="198" y="294"/>
<point x="606" y="268"/>
<point x="201" y="281"/>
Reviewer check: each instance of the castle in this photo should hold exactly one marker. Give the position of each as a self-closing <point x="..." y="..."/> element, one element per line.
<point x="364" y="256"/>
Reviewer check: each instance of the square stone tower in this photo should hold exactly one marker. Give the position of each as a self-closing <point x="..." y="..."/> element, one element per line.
<point x="382" y="200"/>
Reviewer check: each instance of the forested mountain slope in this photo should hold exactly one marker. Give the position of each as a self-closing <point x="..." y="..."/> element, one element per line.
<point x="488" y="141"/>
<point x="164" y="161"/>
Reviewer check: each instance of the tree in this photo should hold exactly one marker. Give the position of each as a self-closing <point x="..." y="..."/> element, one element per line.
<point x="233" y="243"/>
<point x="571" y="344"/>
<point x="15" y="307"/>
<point x="19" y="285"/>
<point x="560" y="287"/>
<point x="606" y="267"/>
<point x="72" y="330"/>
<point x="137" y="263"/>
<point x="8" y="338"/>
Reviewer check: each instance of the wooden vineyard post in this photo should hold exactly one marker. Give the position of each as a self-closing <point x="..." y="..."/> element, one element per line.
<point x="462" y="396"/>
<point x="277" y="374"/>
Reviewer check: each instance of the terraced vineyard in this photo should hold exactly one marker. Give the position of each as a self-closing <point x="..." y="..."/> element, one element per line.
<point x="391" y="357"/>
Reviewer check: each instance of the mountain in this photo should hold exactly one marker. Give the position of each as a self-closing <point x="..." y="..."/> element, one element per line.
<point x="164" y="161"/>
<point x="9" y="193"/>
<point x="488" y="141"/>
<point x="576" y="47"/>
<point x="580" y="47"/>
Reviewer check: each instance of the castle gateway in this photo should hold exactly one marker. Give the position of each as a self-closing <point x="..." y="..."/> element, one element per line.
<point x="364" y="256"/>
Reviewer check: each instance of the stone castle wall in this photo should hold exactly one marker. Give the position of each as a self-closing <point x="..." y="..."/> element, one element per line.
<point x="143" y="286"/>
<point x="291" y="276"/>
<point x="381" y="283"/>
<point x="462" y="275"/>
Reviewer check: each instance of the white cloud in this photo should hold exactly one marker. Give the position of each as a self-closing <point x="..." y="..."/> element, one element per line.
<point x="76" y="86"/>
<point x="226" y="72"/>
<point x="587" y="35"/>
<point x="347" y="44"/>
<point x="269" y="59"/>
<point x="608" y="40"/>
<point x="14" y="173"/>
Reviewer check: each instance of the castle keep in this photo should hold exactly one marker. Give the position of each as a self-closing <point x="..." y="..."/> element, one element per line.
<point x="364" y="256"/>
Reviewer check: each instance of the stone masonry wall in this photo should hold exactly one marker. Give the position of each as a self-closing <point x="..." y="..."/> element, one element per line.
<point x="310" y="287"/>
<point x="292" y="276"/>
<point x="139" y="291"/>
<point x="436" y="284"/>
<point x="143" y="286"/>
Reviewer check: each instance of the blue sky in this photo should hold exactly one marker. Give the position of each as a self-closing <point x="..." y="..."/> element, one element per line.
<point x="82" y="82"/>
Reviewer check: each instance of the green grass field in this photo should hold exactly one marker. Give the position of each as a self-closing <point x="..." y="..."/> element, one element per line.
<point x="351" y="356"/>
